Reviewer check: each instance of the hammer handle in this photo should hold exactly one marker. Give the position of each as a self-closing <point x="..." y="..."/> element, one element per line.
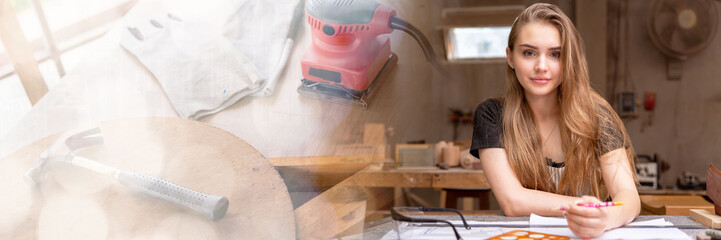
<point x="211" y="206"/>
<point x="94" y="166"/>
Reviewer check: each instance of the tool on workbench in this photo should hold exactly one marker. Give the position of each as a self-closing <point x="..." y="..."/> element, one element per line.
<point x="351" y="49"/>
<point x="61" y="152"/>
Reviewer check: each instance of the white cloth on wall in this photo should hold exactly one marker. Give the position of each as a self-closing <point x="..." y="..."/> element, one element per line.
<point x="199" y="70"/>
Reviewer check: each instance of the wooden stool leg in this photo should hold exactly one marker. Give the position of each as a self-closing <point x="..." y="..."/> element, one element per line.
<point x="398" y="197"/>
<point x="467" y="204"/>
<point x="452" y="199"/>
<point x="443" y="198"/>
<point x="484" y="202"/>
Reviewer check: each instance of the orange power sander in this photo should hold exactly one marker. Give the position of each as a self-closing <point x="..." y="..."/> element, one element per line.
<point x="351" y="47"/>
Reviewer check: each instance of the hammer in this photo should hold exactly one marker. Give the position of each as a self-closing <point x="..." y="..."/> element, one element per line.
<point x="61" y="152"/>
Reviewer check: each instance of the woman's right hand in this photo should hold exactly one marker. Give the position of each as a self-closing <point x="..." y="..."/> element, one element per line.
<point x="586" y="222"/>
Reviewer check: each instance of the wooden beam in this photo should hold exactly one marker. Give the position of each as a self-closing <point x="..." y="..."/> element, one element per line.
<point x="316" y="178"/>
<point x="339" y="209"/>
<point x="460" y="179"/>
<point x="50" y="39"/>
<point x="322" y="177"/>
<point x="427" y="177"/>
<point x="21" y="54"/>
<point x="393" y="178"/>
<point x="68" y="38"/>
<point x="318" y="174"/>
<point x="358" y="159"/>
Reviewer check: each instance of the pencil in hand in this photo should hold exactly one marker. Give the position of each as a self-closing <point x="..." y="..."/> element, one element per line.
<point x="603" y="204"/>
<point x="596" y="205"/>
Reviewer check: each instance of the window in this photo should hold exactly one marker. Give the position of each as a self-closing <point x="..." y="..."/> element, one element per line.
<point x="477" y="42"/>
<point x="477" y="34"/>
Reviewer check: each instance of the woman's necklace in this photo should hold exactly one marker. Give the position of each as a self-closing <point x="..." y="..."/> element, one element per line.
<point x="550" y="133"/>
<point x="553" y="171"/>
<point x="546" y="141"/>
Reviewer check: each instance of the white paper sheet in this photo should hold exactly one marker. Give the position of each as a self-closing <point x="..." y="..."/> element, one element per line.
<point x="445" y="232"/>
<point x="432" y="233"/>
<point x="643" y="233"/>
<point x="555" y="221"/>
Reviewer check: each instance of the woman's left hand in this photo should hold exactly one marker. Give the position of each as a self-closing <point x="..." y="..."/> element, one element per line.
<point x="586" y="222"/>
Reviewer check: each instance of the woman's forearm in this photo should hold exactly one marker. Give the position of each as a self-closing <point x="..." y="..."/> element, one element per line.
<point x="527" y="201"/>
<point x="624" y="214"/>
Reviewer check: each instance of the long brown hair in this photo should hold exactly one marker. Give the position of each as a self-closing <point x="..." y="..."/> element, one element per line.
<point x="587" y="123"/>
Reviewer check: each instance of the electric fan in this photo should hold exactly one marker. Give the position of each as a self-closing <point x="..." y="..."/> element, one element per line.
<point x="680" y="28"/>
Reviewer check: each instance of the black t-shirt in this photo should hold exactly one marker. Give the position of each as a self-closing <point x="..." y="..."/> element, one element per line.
<point x="487" y="126"/>
<point x="488" y="129"/>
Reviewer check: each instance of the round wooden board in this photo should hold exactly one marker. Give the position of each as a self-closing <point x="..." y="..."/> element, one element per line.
<point x="74" y="203"/>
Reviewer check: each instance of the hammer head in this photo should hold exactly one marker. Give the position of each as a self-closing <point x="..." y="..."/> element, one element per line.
<point x="61" y="152"/>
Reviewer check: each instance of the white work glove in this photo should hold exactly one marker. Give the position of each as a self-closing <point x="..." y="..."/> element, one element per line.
<point x="259" y="29"/>
<point x="200" y="71"/>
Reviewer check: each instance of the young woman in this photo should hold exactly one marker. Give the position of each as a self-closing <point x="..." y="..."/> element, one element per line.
<point x="553" y="141"/>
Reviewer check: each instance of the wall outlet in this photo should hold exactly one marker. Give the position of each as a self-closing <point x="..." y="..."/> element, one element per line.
<point x="626" y="104"/>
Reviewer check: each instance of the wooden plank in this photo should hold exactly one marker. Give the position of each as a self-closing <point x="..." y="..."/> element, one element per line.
<point x="713" y="187"/>
<point x="87" y="28"/>
<point x="672" y="192"/>
<point x="674" y="204"/>
<point x="706" y="218"/>
<point x="315" y="178"/>
<point x="422" y="177"/>
<point x="380" y="178"/>
<point x="21" y="54"/>
<point x="378" y="215"/>
<point x="473" y="179"/>
<point x="50" y="39"/>
<point x="359" y="159"/>
<point x="319" y="173"/>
